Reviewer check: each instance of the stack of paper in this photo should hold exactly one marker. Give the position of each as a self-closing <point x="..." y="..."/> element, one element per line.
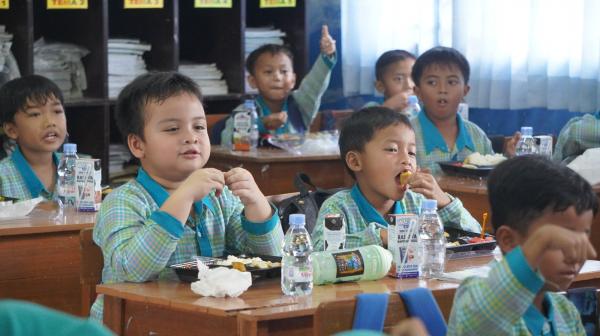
<point x="61" y="63"/>
<point x="256" y="37"/>
<point x="125" y="63"/>
<point x="8" y="64"/>
<point x="208" y="77"/>
<point x="118" y="155"/>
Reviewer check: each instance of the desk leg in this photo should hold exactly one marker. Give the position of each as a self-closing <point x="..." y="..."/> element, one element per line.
<point x="114" y="314"/>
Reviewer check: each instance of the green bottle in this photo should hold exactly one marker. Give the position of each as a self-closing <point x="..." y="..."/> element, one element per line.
<point x="370" y="262"/>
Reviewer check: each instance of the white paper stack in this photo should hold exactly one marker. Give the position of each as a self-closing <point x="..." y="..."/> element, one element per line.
<point x="125" y="63"/>
<point x="258" y="36"/>
<point x="8" y="64"/>
<point x="61" y="63"/>
<point x="208" y="77"/>
<point x="118" y="155"/>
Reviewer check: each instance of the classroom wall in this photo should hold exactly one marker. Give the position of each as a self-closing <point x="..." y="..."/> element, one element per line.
<point x="492" y="121"/>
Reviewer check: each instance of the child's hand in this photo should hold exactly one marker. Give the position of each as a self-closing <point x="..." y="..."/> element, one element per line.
<point x="201" y="182"/>
<point x="383" y="234"/>
<point x="275" y="120"/>
<point x="327" y="42"/>
<point x="397" y="102"/>
<point x="241" y="183"/>
<point x="425" y="184"/>
<point x="510" y="148"/>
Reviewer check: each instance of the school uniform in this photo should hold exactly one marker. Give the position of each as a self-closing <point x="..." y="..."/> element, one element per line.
<point x="579" y="134"/>
<point x="18" y="180"/>
<point x="431" y="147"/>
<point x="502" y="303"/>
<point x="139" y="241"/>
<point x="364" y="223"/>
<point x="301" y="105"/>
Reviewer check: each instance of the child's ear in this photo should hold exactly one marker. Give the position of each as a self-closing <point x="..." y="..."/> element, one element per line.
<point x="136" y="146"/>
<point x="10" y="129"/>
<point x="417" y="92"/>
<point x="379" y="86"/>
<point x="467" y="89"/>
<point x="507" y="238"/>
<point x="252" y="81"/>
<point x="353" y="161"/>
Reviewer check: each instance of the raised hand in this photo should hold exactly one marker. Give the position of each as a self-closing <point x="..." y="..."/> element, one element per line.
<point x="275" y="120"/>
<point x="327" y="42"/>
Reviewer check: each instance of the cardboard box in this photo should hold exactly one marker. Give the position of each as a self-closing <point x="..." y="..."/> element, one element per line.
<point x="88" y="174"/>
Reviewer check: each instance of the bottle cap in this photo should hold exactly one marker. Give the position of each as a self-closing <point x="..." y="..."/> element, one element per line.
<point x="297" y="220"/>
<point x="412" y="100"/>
<point x="249" y="103"/>
<point x="527" y="130"/>
<point x="429" y="204"/>
<point x="70" y="148"/>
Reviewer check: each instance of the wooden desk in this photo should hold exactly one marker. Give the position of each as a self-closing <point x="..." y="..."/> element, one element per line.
<point x="40" y="259"/>
<point x="274" y="169"/>
<point x="172" y="308"/>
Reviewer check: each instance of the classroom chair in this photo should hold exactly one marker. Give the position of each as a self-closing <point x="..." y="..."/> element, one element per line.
<point x="421" y="303"/>
<point x="215" y="123"/>
<point x="91" y="269"/>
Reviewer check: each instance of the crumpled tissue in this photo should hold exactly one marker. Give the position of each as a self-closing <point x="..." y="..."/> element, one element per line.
<point x="221" y="281"/>
<point x="587" y="165"/>
<point x="19" y="209"/>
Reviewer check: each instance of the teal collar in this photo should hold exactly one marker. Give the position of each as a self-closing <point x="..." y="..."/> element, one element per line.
<point x="536" y="322"/>
<point x="32" y="182"/>
<point x="597" y="114"/>
<point x="367" y="211"/>
<point x="432" y="138"/>
<point x="160" y="195"/>
<point x="266" y="111"/>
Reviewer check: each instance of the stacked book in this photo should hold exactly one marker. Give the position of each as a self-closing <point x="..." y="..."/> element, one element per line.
<point x="118" y="156"/>
<point x="8" y="64"/>
<point x="208" y="77"/>
<point x="256" y="37"/>
<point x="125" y="63"/>
<point x="61" y="63"/>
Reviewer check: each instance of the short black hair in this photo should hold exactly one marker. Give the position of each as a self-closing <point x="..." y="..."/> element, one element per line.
<point x="440" y="56"/>
<point x="272" y="49"/>
<point x="147" y="88"/>
<point x="388" y="58"/>
<point x="361" y="126"/>
<point x="17" y="93"/>
<point x="523" y="188"/>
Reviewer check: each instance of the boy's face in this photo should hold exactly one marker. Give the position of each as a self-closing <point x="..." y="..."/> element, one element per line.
<point x="378" y="167"/>
<point x="441" y="88"/>
<point x="175" y="141"/>
<point x="553" y="265"/>
<point x="39" y="128"/>
<point x="396" y="79"/>
<point x="274" y="77"/>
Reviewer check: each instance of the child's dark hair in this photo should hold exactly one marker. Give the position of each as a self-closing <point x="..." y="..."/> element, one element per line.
<point x="272" y="49"/>
<point x="16" y="94"/>
<point x="361" y="126"/>
<point x="388" y="58"/>
<point x="443" y="56"/>
<point x="145" y="89"/>
<point x="523" y="188"/>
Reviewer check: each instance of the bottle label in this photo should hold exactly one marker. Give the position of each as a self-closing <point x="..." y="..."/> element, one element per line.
<point x="299" y="274"/>
<point x="334" y="232"/>
<point x="349" y="263"/>
<point x="242" y="124"/>
<point x="403" y="243"/>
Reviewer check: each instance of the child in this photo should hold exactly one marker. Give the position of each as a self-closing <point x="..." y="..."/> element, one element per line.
<point x="579" y="134"/>
<point x="377" y="146"/>
<point x="34" y="117"/>
<point x="441" y="77"/>
<point x="392" y="73"/>
<point x="272" y="73"/>
<point x="542" y="214"/>
<point x="176" y="209"/>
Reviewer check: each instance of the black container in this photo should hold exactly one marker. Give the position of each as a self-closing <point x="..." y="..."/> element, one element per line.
<point x="465" y="250"/>
<point x="188" y="271"/>
<point x="456" y="168"/>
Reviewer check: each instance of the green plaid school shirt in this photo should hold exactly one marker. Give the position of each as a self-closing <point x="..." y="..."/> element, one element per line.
<point x="431" y="147"/>
<point x="502" y="303"/>
<point x="18" y="180"/>
<point x="307" y="96"/>
<point x="139" y="241"/>
<point x="364" y="223"/>
<point x="579" y="134"/>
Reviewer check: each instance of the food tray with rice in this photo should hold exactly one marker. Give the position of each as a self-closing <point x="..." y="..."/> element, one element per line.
<point x="475" y="165"/>
<point x="259" y="266"/>
<point x="461" y="244"/>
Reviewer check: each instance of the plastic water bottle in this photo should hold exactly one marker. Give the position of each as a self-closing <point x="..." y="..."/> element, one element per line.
<point x="526" y="144"/>
<point x="245" y="128"/>
<point x="254" y="134"/>
<point x="433" y="242"/>
<point x="413" y="107"/>
<point x="296" y="266"/>
<point x="66" y="186"/>
<point x="369" y="262"/>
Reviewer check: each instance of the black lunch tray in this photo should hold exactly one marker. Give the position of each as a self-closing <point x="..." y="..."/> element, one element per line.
<point x="188" y="271"/>
<point x="454" y="234"/>
<point x="456" y="168"/>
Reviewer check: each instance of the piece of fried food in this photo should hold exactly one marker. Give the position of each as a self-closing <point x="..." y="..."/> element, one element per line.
<point x="404" y="177"/>
<point x="238" y="266"/>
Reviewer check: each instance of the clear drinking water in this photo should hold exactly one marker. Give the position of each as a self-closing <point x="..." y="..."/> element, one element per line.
<point x="296" y="265"/>
<point x="66" y="186"/>
<point x="526" y="144"/>
<point x="433" y="242"/>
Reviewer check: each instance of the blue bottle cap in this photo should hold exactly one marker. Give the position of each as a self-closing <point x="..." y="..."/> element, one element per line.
<point x="429" y="204"/>
<point x="527" y="130"/>
<point x="249" y="103"/>
<point x="412" y="100"/>
<point x="70" y="148"/>
<point x="297" y="220"/>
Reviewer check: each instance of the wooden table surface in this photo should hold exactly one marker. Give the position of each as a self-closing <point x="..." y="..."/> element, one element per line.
<point x="172" y="308"/>
<point x="274" y="169"/>
<point x="40" y="258"/>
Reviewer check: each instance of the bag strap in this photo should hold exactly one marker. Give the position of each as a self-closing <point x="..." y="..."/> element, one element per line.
<point x="303" y="183"/>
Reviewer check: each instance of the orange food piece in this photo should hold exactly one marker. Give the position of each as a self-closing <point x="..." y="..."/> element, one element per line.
<point x="238" y="266"/>
<point x="404" y="177"/>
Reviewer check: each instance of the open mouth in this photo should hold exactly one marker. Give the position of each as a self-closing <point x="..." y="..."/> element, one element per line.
<point x="442" y="101"/>
<point x="50" y="136"/>
<point x="402" y="178"/>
